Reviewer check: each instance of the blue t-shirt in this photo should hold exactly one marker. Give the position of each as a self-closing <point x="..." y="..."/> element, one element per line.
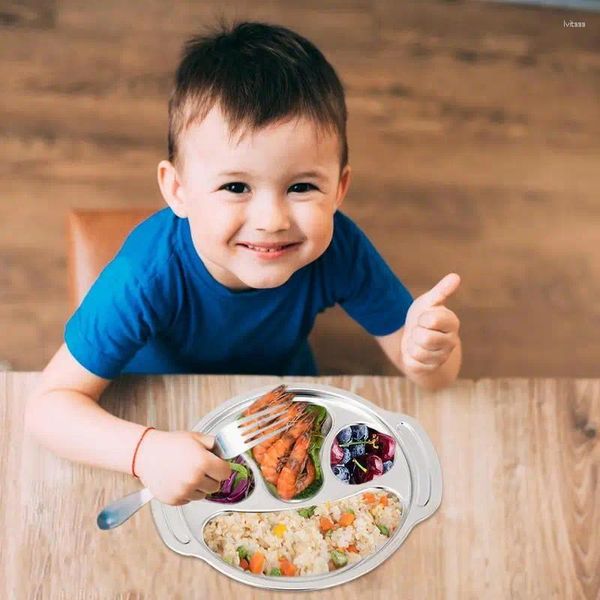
<point x="155" y="308"/>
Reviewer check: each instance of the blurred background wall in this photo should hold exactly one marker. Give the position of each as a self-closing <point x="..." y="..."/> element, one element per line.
<point x="474" y="141"/>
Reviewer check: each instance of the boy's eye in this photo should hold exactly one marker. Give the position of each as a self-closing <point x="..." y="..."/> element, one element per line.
<point x="302" y="184"/>
<point x="237" y="185"/>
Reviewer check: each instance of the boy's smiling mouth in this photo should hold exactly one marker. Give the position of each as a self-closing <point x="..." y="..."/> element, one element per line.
<point x="269" y="249"/>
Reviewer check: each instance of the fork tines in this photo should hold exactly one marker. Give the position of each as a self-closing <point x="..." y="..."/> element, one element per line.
<point x="269" y="418"/>
<point x="264" y="419"/>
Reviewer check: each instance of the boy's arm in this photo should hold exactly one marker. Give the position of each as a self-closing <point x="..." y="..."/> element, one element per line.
<point x="424" y="344"/>
<point x="63" y="415"/>
<point x="427" y="349"/>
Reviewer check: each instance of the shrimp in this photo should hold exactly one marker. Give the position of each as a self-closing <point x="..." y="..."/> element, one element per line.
<point x="286" y="482"/>
<point x="275" y="457"/>
<point x="307" y="475"/>
<point x="294" y="411"/>
<point x="275" y="396"/>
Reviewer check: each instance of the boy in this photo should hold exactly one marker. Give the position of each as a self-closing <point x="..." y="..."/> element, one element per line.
<point x="230" y="277"/>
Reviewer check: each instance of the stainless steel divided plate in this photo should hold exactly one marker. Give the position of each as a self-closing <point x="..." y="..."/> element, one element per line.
<point x="415" y="477"/>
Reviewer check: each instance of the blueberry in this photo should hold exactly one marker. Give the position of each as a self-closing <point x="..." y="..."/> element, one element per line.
<point x="360" y="432"/>
<point x="387" y="465"/>
<point x="341" y="472"/>
<point x="357" y="450"/>
<point x="347" y="456"/>
<point x="345" y="435"/>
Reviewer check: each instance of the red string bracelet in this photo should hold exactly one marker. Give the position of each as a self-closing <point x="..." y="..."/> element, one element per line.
<point x="136" y="450"/>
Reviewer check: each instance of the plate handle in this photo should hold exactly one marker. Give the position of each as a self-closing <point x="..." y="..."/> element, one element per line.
<point x="424" y="464"/>
<point x="175" y="532"/>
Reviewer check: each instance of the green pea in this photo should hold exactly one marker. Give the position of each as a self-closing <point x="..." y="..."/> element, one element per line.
<point x="339" y="558"/>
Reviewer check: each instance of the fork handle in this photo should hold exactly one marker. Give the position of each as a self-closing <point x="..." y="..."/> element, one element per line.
<point x="117" y="512"/>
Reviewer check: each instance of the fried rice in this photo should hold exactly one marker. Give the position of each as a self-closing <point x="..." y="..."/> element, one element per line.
<point x="329" y="536"/>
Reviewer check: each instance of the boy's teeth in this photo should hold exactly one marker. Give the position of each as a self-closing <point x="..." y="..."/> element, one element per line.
<point x="264" y="249"/>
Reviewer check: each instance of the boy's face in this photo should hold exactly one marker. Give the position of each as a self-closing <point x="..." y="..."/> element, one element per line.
<point x="255" y="214"/>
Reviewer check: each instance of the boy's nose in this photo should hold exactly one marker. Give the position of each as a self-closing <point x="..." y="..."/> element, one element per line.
<point x="271" y="215"/>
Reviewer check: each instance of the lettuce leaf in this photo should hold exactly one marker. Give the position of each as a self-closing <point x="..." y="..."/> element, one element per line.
<point x="242" y="473"/>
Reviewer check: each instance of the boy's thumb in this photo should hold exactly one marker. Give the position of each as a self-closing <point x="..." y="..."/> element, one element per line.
<point x="442" y="290"/>
<point x="208" y="441"/>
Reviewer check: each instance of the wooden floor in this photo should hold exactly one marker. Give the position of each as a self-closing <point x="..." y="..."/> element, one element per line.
<point x="474" y="138"/>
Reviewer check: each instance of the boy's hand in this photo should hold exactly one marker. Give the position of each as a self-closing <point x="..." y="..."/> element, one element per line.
<point x="431" y="329"/>
<point x="177" y="466"/>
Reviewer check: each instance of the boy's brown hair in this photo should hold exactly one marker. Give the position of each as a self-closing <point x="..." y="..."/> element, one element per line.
<point x="259" y="74"/>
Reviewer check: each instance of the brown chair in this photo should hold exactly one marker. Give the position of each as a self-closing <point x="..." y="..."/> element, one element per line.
<point x="95" y="236"/>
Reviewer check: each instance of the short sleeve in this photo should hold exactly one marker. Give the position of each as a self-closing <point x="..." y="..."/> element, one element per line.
<point x="366" y="287"/>
<point x="119" y="314"/>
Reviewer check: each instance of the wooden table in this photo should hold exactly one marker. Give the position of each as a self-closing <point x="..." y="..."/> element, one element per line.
<point x="520" y="516"/>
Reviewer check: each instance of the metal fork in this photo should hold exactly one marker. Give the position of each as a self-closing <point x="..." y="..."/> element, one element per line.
<point x="230" y="441"/>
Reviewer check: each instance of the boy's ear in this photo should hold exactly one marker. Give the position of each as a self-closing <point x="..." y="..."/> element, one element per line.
<point x="343" y="185"/>
<point x="171" y="188"/>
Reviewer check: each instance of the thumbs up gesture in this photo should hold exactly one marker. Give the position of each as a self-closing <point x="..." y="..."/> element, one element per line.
<point x="431" y="329"/>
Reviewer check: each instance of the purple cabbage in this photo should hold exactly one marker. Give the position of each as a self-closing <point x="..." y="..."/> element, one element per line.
<point x="227" y="492"/>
